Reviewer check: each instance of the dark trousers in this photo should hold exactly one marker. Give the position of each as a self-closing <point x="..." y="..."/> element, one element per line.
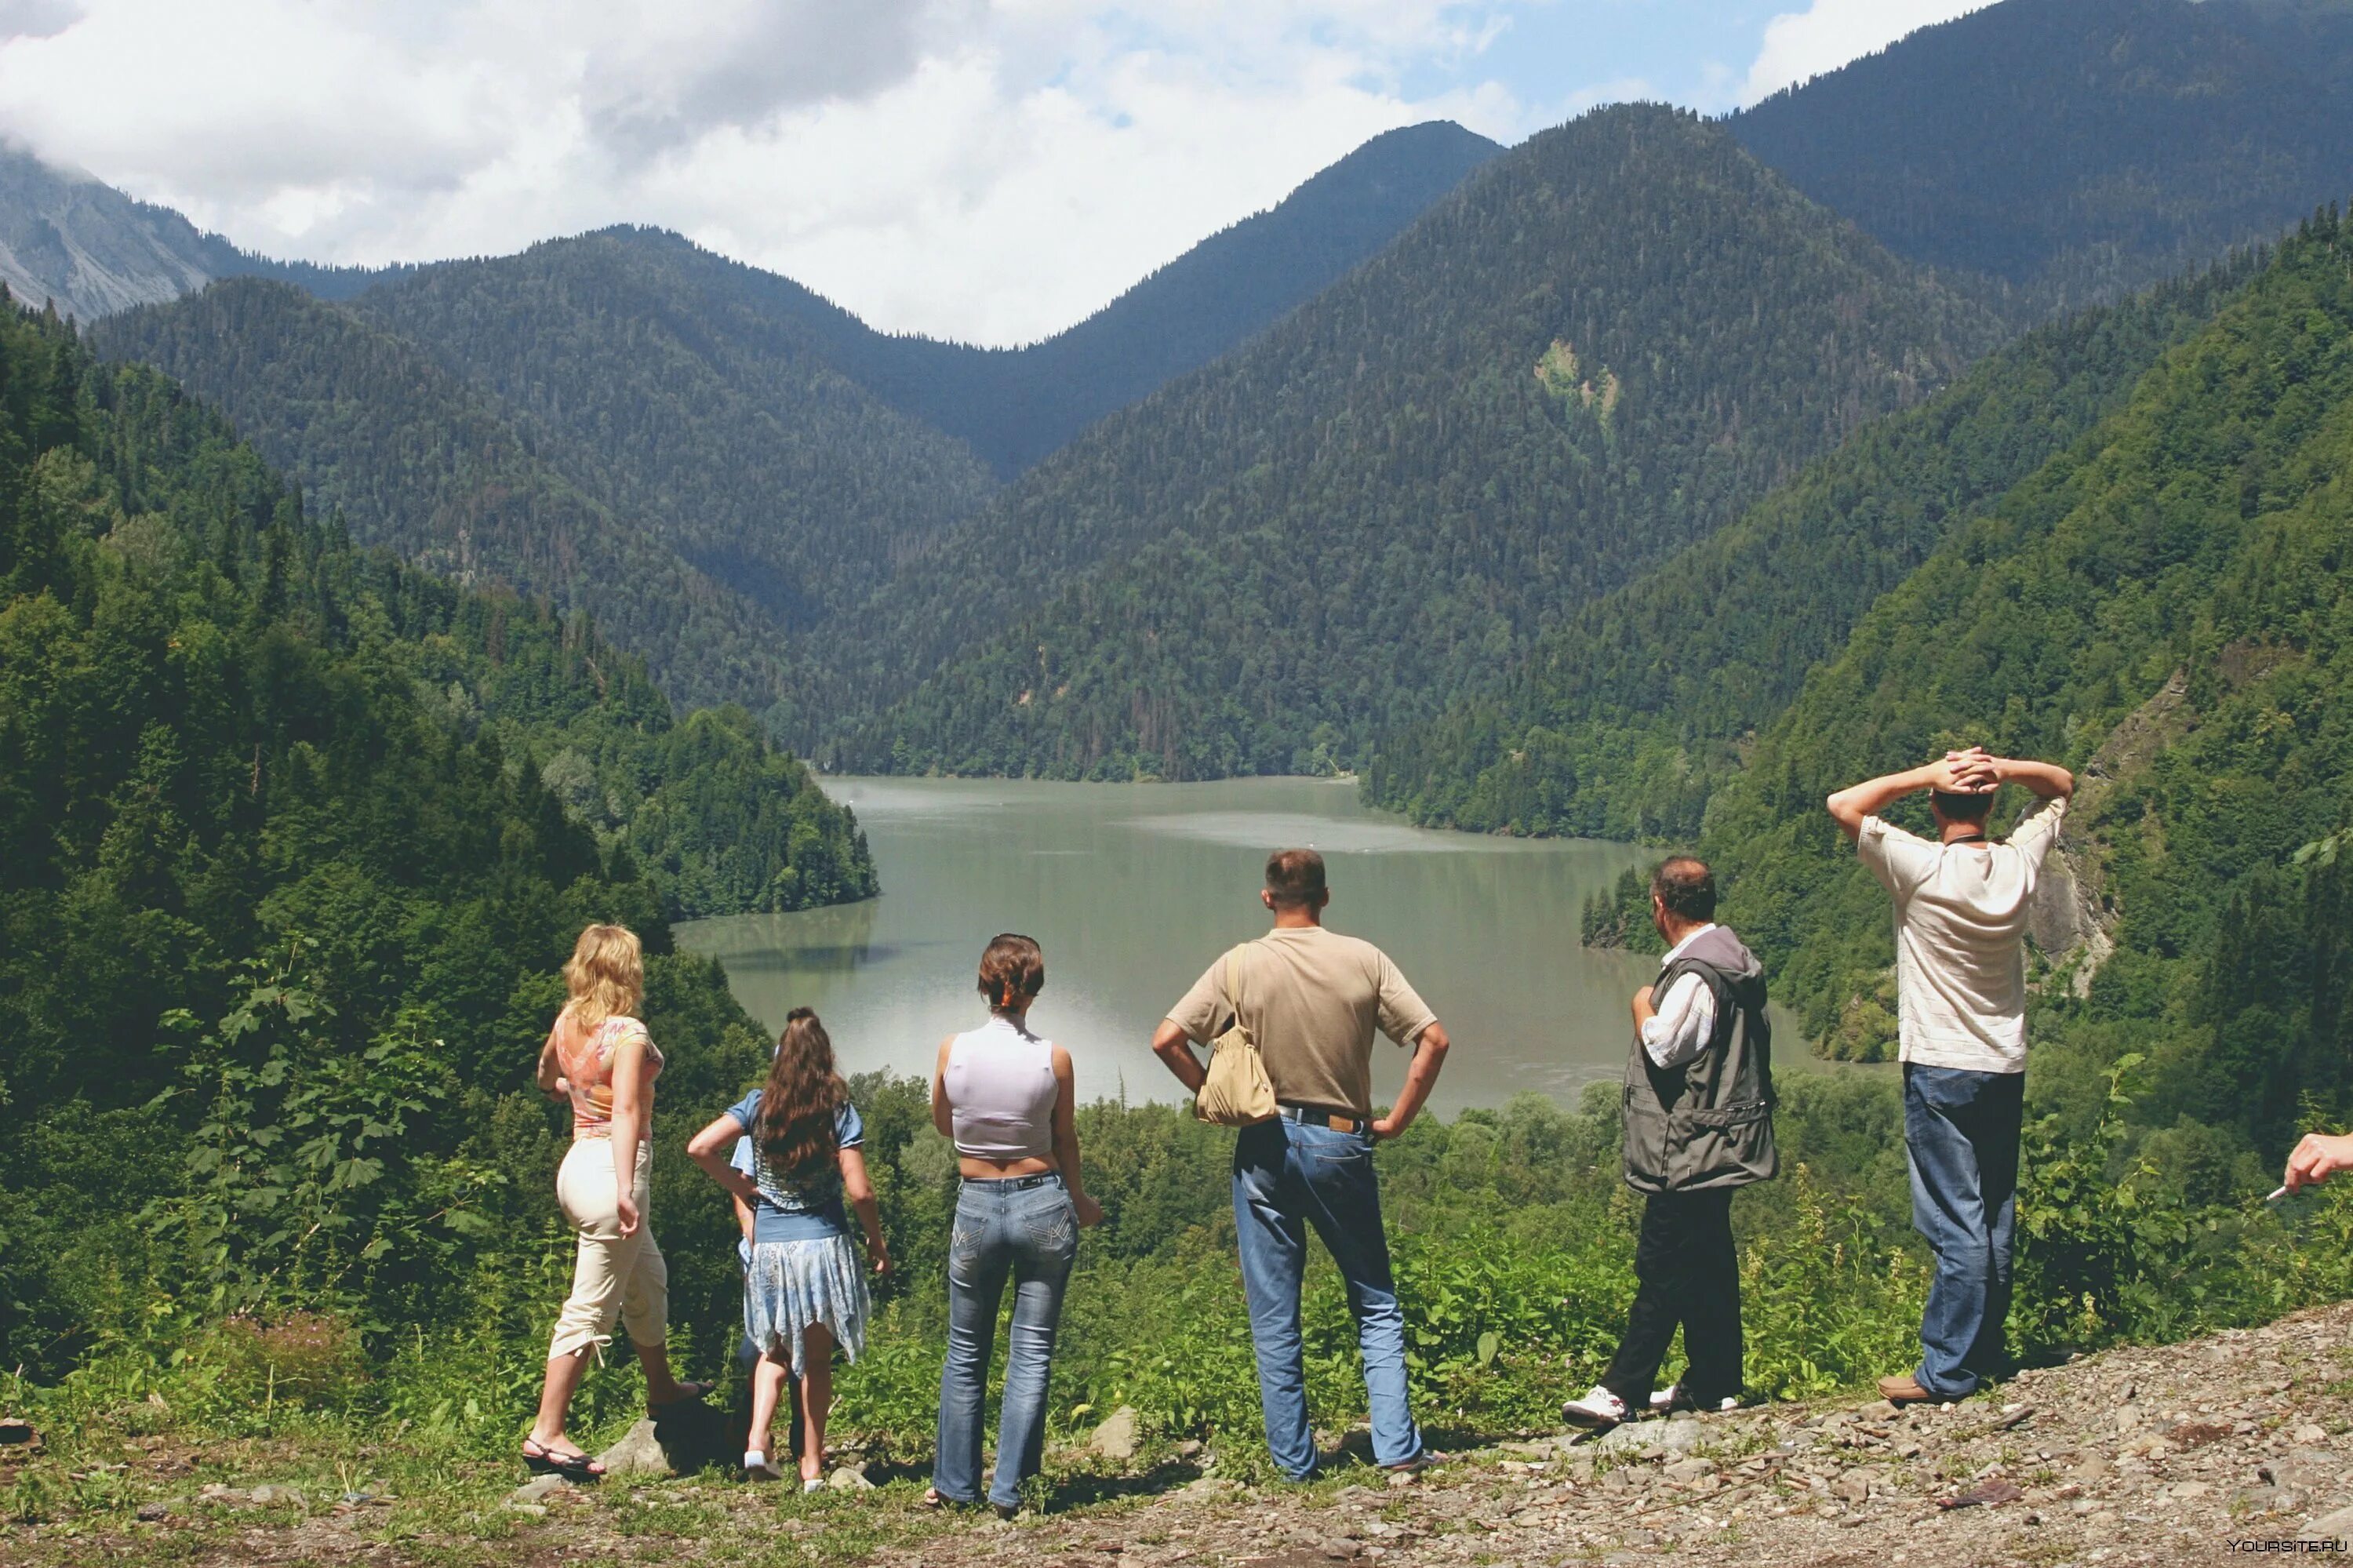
<point x="1686" y="1274"/>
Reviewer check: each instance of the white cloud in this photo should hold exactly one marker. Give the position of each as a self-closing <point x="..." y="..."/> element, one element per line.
<point x="989" y="169"/>
<point x="1829" y="33"/>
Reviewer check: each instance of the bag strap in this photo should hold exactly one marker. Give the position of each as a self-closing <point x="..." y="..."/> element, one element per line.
<point x="1234" y="996"/>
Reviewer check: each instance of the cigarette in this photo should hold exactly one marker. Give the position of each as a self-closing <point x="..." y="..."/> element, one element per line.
<point x="2275" y="1195"/>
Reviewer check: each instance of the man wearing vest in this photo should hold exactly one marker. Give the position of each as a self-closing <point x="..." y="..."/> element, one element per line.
<point x="1312" y="999"/>
<point x="1960" y="985"/>
<point x="1698" y="1127"/>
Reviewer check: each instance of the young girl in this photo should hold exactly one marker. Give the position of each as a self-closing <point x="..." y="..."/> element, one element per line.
<point x="803" y="1291"/>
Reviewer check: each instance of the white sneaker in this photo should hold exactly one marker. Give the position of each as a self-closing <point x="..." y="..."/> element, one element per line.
<point x="1672" y="1398"/>
<point x="1598" y="1410"/>
<point x="756" y="1467"/>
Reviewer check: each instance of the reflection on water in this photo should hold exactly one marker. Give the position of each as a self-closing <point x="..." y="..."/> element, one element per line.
<point x="1134" y="889"/>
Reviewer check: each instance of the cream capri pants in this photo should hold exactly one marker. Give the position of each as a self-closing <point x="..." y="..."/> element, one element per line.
<point x="614" y="1275"/>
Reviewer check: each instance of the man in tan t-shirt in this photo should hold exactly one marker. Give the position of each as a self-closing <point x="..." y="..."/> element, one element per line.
<point x="1312" y="999"/>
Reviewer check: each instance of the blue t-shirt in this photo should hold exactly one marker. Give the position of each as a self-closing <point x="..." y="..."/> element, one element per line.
<point x="811" y="1211"/>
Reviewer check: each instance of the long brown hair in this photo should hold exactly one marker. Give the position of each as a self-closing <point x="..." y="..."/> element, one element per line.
<point x="1012" y="972"/>
<point x="796" y="1135"/>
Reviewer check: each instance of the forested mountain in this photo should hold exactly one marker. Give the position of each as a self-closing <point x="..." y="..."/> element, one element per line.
<point x="2077" y="147"/>
<point x="1016" y="405"/>
<point x="1605" y="345"/>
<point x="667" y="393"/>
<point x="1628" y="715"/>
<point x="708" y="457"/>
<point x="417" y="462"/>
<point x="95" y="250"/>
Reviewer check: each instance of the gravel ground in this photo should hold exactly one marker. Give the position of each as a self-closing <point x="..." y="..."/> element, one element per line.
<point x="2215" y="1448"/>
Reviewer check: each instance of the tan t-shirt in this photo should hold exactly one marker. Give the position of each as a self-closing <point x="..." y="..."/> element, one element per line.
<point x="1960" y="929"/>
<point x="1311" y="998"/>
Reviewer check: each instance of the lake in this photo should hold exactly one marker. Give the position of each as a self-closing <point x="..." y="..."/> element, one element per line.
<point x="1134" y="889"/>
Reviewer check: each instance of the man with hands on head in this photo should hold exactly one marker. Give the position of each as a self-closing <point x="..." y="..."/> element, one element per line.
<point x="1960" y="902"/>
<point x="1312" y="998"/>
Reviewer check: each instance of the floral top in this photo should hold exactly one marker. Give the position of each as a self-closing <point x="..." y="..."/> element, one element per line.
<point x="586" y="1060"/>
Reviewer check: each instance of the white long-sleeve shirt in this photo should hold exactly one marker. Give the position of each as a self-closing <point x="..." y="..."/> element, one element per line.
<point x="1683" y="1021"/>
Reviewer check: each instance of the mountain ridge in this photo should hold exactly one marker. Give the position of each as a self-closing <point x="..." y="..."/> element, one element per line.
<point x="2076" y="149"/>
<point x="1476" y="403"/>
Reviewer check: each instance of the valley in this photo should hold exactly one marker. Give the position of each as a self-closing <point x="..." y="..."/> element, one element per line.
<point x="1496" y="518"/>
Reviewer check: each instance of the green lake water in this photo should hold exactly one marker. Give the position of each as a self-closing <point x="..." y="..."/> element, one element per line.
<point x="1134" y="889"/>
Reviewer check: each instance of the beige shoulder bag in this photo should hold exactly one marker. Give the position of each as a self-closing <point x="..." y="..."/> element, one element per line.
<point x="1237" y="1092"/>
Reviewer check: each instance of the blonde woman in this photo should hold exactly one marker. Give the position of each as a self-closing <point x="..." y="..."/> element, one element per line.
<point x="600" y="1059"/>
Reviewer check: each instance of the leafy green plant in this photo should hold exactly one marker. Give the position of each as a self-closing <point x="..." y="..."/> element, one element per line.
<point x="287" y="1163"/>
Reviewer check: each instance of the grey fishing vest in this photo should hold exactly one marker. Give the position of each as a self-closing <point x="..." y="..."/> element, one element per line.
<point x="1709" y="1121"/>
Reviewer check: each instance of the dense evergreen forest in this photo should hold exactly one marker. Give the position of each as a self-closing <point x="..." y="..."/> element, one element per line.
<point x="292" y="838"/>
<point x="667" y="387"/>
<point x="417" y="462"/>
<point x="2072" y="148"/>
<point x="1628" y="715"/>
<point x="716" y="462"/>
<point x="1606" y="344"/>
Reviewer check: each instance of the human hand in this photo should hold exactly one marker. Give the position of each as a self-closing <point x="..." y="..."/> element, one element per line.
<point x="880" y="1250"/>
<point x="2316" y="1158"/>
<point x="1975" y="770"/>
<point x="1962" y="773"/>
<point x="1089" y="1211"/>
<point x="626" y="1208"/>
<point x="1388" y="1127"/>
<point x="558" y="1091"/>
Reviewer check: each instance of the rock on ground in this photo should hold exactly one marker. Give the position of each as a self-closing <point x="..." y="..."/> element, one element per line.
<point x="678" y="1441"/>
<point x="1116" y="1438"/>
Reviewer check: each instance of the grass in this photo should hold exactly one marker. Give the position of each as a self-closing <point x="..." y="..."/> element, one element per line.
<point x="424" y="1502"/>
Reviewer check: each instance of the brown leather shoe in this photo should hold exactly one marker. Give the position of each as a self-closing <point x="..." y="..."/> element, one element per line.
<point x="1904" y="1390"/>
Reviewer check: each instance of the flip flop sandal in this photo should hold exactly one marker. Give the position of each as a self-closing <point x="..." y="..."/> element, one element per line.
<point x="541" y="1460"/>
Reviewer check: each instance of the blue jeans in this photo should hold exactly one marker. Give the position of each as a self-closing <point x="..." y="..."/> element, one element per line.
<point x="1961" y="1128"/>
<point x="1288" y="1176"/>
<point x="1024" y="1227"/>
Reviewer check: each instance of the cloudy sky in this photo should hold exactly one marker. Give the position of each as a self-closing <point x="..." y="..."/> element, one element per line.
<point x="990" y="170"/>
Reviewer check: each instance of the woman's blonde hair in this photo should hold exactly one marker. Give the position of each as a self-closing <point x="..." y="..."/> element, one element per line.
<point x="607" y="976"/>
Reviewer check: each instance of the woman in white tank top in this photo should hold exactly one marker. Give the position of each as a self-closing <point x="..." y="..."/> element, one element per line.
<point x="1005" y="1097"/>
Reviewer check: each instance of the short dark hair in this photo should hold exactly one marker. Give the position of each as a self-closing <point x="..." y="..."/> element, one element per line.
<point x="1954" y="806"/>
<point x="1685" y="887"/>
<point x="1295" y="878"/>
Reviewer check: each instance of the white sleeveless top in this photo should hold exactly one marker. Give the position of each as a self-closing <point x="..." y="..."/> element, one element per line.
<point x="1001" y="1091"/>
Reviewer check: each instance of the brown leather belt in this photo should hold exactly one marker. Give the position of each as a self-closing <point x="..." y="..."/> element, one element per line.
<point x="1324" y="1116"/>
